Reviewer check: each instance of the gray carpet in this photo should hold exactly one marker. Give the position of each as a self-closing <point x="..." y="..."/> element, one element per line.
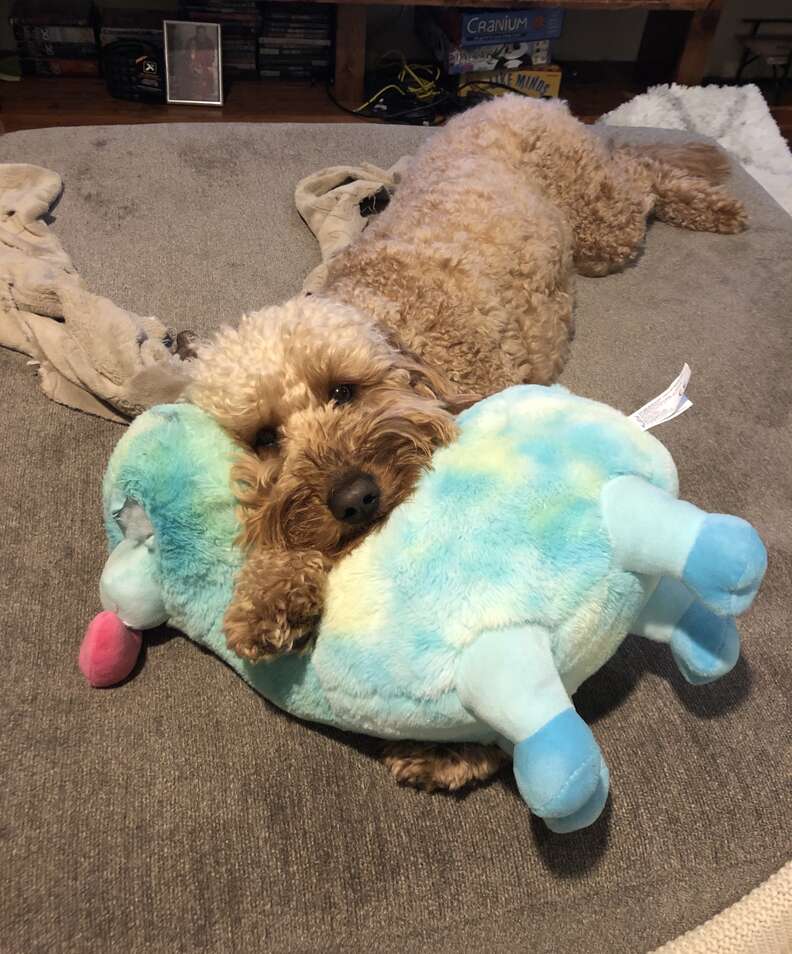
<point x="179" y="813"/>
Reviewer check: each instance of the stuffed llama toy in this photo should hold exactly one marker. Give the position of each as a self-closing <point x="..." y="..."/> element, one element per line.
<point x="549" y="530"/>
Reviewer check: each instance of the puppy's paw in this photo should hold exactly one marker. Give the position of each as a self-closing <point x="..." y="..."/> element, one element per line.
<point x="432" y="766"/>
<point x="256" y="637"/>
<point x="277" y="604"/>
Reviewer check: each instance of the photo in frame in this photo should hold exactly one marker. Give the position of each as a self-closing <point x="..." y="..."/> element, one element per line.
<point x="193" y="63"/>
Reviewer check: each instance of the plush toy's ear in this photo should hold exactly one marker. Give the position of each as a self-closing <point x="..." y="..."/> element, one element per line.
<point x="431" y="382"/>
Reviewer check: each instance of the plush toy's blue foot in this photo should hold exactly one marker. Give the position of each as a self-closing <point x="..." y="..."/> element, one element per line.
<point x="586" y="815"/>
<point x="705" y="646"/>
<point x="726" y="564"/>
<point x="561" y="774"/>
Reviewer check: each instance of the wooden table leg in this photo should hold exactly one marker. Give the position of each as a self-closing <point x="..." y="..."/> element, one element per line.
<point x="692" y="63"/>
<point x="350" y="67"/>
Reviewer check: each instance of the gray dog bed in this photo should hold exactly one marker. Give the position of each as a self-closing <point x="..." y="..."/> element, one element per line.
<point x="180" y="813"/>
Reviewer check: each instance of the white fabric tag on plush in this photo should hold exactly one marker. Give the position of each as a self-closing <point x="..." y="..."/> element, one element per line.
<point x="666" y="406"/>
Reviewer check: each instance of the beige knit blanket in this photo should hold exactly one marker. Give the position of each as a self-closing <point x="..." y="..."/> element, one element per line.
<point x="90" y="354"/>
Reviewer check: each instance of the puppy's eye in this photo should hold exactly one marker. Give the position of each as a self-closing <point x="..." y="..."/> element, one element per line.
<point x="266" y="437"/>
<point x="342" y="393"/>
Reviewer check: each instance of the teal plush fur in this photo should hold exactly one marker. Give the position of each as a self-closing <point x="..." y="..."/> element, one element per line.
<point x="549" y="530"/>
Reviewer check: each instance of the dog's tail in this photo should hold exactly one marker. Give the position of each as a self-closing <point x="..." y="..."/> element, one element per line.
<point x="685" y="181"/>
<point x="698" y="159"/>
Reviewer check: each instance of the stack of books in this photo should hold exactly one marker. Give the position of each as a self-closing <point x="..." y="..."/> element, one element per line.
<point x="495" y="50"/>
<point x="240" y="23"/>
<point x="295" y="41"/>
<point x="56" y="37"/>
<point x="145" y="25"/>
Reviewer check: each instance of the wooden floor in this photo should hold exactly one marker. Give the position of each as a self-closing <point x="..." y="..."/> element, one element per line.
<point x="33" y="103"/>
<point x="783" y="116"/>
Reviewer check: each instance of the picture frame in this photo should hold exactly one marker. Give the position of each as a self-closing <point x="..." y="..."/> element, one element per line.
<point x="193" y="63"/>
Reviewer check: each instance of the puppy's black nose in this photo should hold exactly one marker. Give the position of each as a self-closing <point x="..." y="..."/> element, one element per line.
<point x="355" y="499"/>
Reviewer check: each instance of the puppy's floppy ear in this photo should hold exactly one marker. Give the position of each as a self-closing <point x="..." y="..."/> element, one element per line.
<point x="250" y="489"/>
<point x="431" y="382"/>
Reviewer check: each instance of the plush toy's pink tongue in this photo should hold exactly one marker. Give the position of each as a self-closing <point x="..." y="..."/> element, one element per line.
<point x="109" y="650"/>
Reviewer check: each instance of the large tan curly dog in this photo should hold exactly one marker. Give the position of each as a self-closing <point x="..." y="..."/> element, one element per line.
<point x="461" y="287"/>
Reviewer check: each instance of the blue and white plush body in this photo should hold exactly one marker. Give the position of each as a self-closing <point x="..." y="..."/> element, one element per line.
<point x="541" y="537"/>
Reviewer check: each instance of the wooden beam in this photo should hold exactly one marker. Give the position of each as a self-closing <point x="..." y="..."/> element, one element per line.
<point x="350" y="66"/>
<point x="693" y="62"/>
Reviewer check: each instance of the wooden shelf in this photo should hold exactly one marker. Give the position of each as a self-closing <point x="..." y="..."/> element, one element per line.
<point x="36" y="102"/>
<point x="694" y="22"/>
<point x="690" y="5"/>
<point x="591" y="89"/>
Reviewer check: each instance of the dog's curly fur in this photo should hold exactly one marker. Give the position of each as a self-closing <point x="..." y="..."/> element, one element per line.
<point x="463" y="283"/>
<point x="472" y="262"/>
